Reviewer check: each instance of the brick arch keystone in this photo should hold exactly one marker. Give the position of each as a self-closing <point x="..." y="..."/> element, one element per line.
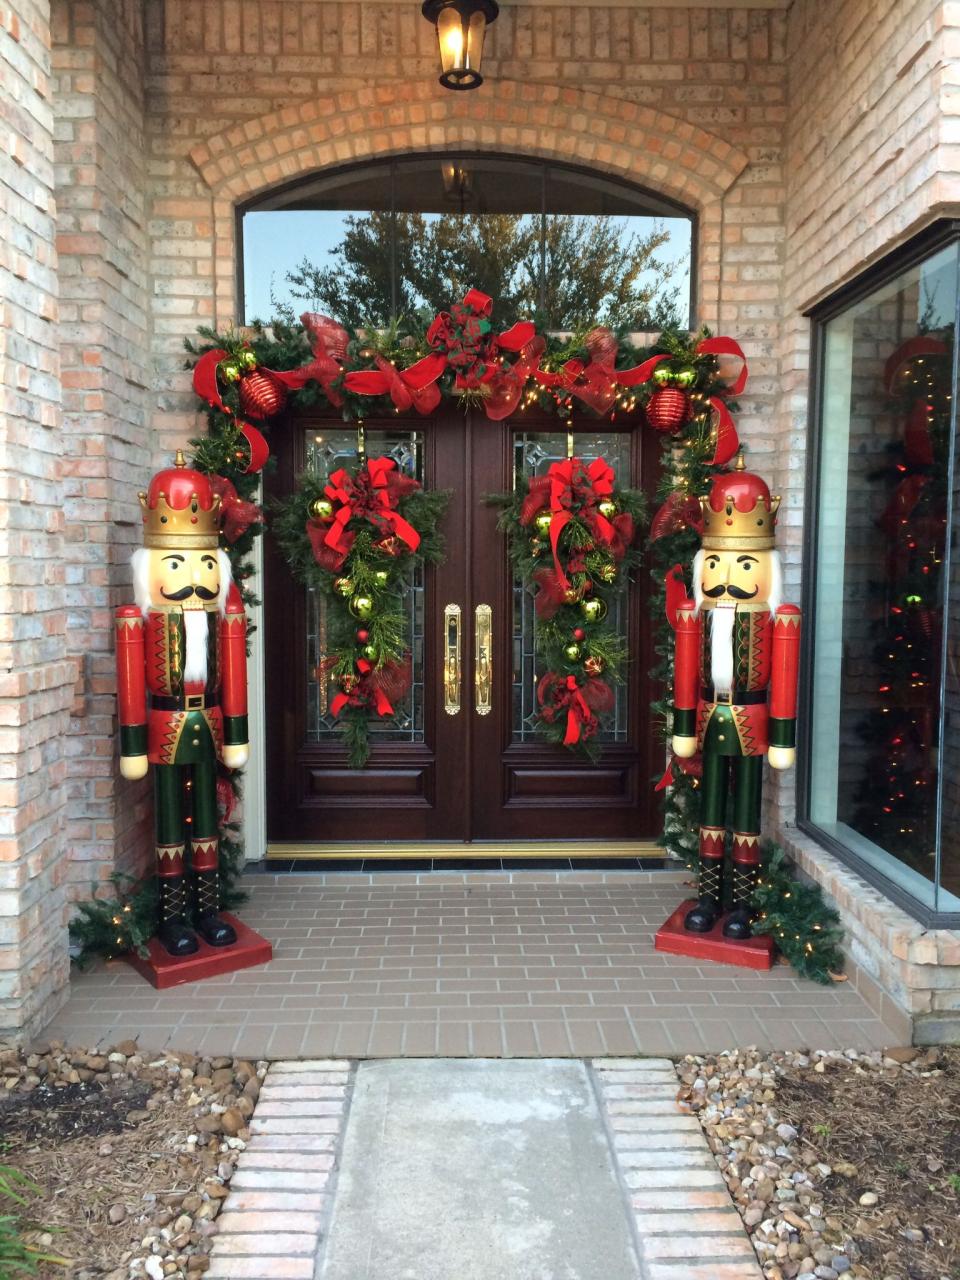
<point x="613" y="135"/>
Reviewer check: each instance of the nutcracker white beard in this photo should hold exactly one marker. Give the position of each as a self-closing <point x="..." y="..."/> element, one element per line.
<point x="720" y="622"/>
<point x="195" y="664"/>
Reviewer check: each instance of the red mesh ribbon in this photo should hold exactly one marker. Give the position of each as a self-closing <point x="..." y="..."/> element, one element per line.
<point x="679" y="511"/>
<point x="506" y="385"/>
<point x="375" y="686"/>
<point x="328" y="342"/>
<point x="692" y="767"/>
<point x="226" y="798"/>
<point x="574" y="488"/>
<point x="373" y="494"/>
<point x="736" y="378"/>
<point x="236" y="514"/>
<point x="415" y="387"/>
<point x="580" y="703"/>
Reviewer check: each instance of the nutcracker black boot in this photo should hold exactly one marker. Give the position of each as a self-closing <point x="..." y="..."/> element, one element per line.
<point x="173" y="933"/>
<point x="738" y="923"/>
<point x="211" y="927"/>
<point x="702" y="917"/>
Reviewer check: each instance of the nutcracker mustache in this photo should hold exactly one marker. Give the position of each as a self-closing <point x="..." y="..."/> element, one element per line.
<point x="204" y="593"/>
<point x="774" y="595"/>
<point x="140" y="563"/>
<point x="737" y="593"/>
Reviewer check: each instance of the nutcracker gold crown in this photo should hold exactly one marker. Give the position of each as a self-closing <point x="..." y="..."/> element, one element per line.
<point x="181" y="512"/>
<point x="739" y="514"/>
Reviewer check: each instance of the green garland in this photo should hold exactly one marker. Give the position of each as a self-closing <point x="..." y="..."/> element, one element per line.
<point x="573" y="639"/>
<point x="368" y="656"/>
<point x="795" y="914"/>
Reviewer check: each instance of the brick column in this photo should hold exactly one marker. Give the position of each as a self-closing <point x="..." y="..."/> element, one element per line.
<point x="36" y="676"/>
<point x="101" y="236"/>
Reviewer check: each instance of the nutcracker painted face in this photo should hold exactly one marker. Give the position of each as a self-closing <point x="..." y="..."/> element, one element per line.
<point x="737" y="567"/>
<point x="181" y="564"/>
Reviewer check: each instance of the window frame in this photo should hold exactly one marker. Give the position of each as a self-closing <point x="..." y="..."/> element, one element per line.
<point x="941" y="234"/>
<point x="275" y="196"/>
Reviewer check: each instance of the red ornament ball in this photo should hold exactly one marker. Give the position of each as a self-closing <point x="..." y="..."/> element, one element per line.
<point x="668" y="409"/>
<point x="261" y="396"/>
<point x="579" y="633"/>
<point x="363" y="635"/>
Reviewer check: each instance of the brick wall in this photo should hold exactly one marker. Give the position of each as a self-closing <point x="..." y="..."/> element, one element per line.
<point x="36" y="678"/>
<point x="98" y="62"/>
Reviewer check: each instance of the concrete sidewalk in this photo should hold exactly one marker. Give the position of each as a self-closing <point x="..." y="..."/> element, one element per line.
<point x="451" y="1169"/>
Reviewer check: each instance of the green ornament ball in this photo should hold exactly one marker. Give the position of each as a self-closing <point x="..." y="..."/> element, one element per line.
<point x="361" y="606"/>
<point x="686" y="376"/>
<point x="248" y="359"/>
<point x="594" y="609"/>
<point x="662" y="375"/>
<point x="229" y="370"/>
<point x="543" y="522"/>
<point x="571" y="652"/>
<point x="381" y="577"/>
<point x="321" y="509"/>
<point x="607" y="508"/>
<point x="370" y="652"/>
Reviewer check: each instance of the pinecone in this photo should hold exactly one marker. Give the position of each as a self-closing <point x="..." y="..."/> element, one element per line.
<point x="668" y="409"/>
<point x="261" y="396"/>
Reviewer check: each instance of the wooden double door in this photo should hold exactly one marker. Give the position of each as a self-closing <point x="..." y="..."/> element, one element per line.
<point x="463" y="761"/>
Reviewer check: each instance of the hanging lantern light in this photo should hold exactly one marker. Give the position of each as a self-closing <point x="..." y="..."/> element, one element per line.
<point x="461" y="26"/>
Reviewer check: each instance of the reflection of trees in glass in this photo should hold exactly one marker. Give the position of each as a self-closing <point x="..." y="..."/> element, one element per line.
<point x="595" y="271"/>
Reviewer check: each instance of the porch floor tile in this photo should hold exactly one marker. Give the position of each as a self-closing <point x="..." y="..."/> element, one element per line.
<point x="507" y="964"/>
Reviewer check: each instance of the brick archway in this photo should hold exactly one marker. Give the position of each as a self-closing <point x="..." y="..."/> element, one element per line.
<point x="605" y="132"/>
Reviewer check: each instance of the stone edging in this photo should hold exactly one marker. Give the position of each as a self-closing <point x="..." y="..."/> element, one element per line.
<point x="275" y="1217"/>
<point x="686" y="1226"/>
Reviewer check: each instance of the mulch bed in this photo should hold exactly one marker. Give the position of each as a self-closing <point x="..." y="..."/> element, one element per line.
<point x="133" y="1153"/>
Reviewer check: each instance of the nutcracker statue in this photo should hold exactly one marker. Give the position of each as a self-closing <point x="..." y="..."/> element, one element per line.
<point x="735" y="684"/>
<point x="184" y="644"/>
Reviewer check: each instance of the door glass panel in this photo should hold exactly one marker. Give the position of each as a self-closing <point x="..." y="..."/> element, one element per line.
<point x="534" y="452"/>
<point x="329" y="447"/>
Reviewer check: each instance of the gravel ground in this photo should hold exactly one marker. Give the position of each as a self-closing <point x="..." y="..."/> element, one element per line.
<point x="133" y="1153"/>
<point x="841" y="1164"/>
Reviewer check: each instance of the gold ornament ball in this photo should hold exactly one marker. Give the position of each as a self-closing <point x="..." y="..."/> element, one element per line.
<point x="543" y="522"/>
<point x="229" y="370"/>
<point x="370" y="652"/>
<point x="536" y="547"/>
<point x="571" y="595"/>
<point x="381" y="577"/>
<point x="607" y="573"/>
<point x="686" y="376"/>
<point x="343" y="586"/>
<point x="662" y="375"/>
<point x="248" y="359"/>
<point x="361" y="606"/>
<point x="607" y="508"/>
<point x="594" y="609"/>
<point x="321" y="509"/>
<point x="593" y="666"/>
<point x="571" y="652"/>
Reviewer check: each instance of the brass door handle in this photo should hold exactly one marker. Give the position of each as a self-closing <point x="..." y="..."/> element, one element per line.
<point x="483" y="659"/>
<point x="451" y="659"/>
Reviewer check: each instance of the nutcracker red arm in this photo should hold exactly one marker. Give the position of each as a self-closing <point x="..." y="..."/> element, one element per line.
<point x="785" y="665"/>
<point x="131" y="681"/>
<point x="233" y="640"/>
<point x="683" y="618"/>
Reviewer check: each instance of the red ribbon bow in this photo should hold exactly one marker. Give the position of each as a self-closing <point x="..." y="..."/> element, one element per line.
<point x="372" y="494"/>
<point x="236" y="514"/>
<point x="571" y="487"/>
<point x="415" y="387"/>
<point x="372" y="686"/>
<point x="558" y="694"/>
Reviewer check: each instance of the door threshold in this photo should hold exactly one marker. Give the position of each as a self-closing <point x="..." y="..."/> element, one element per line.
<point x="389" y="850"/>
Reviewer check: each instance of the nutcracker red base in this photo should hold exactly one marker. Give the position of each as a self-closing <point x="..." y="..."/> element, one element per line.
<point x="750" y="953"/>
<point x="163" y="970"/>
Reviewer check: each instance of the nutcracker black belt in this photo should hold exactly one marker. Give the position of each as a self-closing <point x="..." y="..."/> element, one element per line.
<point x="188" y="702"/>
<point x="736" y="697"/>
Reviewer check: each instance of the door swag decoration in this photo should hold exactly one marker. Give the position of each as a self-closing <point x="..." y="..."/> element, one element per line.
<point x="357" y="537"/>
<point x="571" y="536"/>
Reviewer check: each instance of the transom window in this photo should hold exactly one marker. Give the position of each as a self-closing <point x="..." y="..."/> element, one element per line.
<point x="555" y="243"/>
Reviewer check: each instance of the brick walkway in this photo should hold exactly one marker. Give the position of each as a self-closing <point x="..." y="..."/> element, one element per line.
<point x="496" y="964"/>
<point x="288" y="1218"/>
